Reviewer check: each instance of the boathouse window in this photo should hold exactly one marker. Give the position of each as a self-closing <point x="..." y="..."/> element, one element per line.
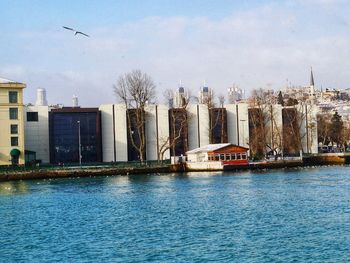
<point x="210" y="157"/>
<point x="233" y="156"/>
<point x="217" y="157"/>
<point x="228" y="156"/>
<point x="238" y="156"/>
<point x="222" y="157"/>
<point x="244" y="156"/>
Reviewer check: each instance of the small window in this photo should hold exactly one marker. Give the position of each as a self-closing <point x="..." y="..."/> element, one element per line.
<point x="217" y="157"/>
<point x="14" y="141"/>
<point x="244" y="156"/>
<point x="13" y="96"/>
<point x="13" y="114"/>
<point x="233" y="156"/>
<point x="14" y="129"/>
<point x="238" y="156"/>
<point x="32" y="116"/>
<point x="222" y="157"/>
<point x="228" y="156"/>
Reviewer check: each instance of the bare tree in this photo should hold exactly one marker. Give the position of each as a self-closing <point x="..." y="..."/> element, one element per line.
<point x="136" y="89"/>
<point x="260" y="115"/>
<point x="178" y="124"/>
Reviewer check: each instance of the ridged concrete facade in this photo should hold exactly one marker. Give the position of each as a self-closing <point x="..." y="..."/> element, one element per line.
<point x="37" y="132"/>
<point x="114" y="133"/>
<point x="198" y="126"/>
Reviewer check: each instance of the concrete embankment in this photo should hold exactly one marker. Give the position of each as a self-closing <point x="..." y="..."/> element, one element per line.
<point x="25" y="174"/>
<point x="81" y="172"/>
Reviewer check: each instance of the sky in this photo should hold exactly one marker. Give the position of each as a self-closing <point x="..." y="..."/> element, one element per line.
<point x="252" y="44"/>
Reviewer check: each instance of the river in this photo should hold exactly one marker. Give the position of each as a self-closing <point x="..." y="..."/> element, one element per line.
<point x="300" y="214"/>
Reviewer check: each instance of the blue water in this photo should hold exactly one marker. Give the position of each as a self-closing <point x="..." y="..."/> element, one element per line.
<point x="283" y="215"/>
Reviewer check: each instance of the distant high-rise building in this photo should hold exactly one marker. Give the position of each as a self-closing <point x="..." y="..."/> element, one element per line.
<point x="235" y="94"/>
<point x="180" y="97"/>
<point x="205" y="94"/>
<point x="75" y="102"/>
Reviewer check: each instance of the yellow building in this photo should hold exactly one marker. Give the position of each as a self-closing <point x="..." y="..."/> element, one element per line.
<point x="11" y="122"/>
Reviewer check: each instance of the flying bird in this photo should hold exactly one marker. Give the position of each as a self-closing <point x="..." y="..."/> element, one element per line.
<point x="75" y="31"/>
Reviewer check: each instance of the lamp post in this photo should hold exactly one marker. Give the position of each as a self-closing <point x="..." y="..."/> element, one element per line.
<point x="79" y="138"/>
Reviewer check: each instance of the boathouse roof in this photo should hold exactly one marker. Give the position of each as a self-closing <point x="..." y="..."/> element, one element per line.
<point x="213" y="148"/>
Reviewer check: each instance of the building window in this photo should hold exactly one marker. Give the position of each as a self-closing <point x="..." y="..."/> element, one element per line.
<point x="217" y="157"/>
<point x="14" y="129"/>
<point x="14" y="141"/>
<point x="13" y="114"/>
<point x="238" y="156"/>
<point x="244" y="156"/>
<point x="233" y="156"/>
<point x="13" y="96"/>
<point x="228" y="157"/>
<point x="32" y="116"/>
<point x="222" y="157"/>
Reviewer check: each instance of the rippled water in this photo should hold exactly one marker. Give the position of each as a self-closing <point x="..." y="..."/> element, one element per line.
<point x="294" y="215"/>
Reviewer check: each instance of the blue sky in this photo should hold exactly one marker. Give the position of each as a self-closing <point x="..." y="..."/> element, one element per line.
<point x="250" y="43"/>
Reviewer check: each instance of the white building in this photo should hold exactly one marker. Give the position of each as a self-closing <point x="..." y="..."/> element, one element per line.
<point x="235" y="94"/>
<point x="115" y="132"/>
<point x="36" y="126"/>
<point x="237" y="124"/>
<point x="198" y="125"/>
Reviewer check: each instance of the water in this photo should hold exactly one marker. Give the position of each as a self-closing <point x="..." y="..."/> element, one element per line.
<point x="295" y="215"/>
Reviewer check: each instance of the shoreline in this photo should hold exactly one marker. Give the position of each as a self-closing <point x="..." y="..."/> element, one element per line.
<point x="71" y="172"/>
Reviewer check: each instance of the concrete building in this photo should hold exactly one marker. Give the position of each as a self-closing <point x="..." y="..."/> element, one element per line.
<point x="36" y="127"/>
<point x="235" y="94"/>
<point x="12" y="124"/>
<point x="115" y="145"/>
<point x="75" y="135"/>
<point x="157" y="132"/>
<point x="237" y="124"/>
<point x="198" y="126"/>
<point x="114" y="133"/>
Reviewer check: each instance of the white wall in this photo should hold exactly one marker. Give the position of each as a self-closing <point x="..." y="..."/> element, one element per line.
<point x="231" y="123"/>
<point x="111" y="140"/>
<point x="243" y="125"/>
<point x="203" y="124"/>
<point x="151" y="133"/>
<point x="163" y="127"/>
<point x="192" y="127"/>
<point x="37" y="133"/>
<point x="121" y="132"/>
<point x="154" y="133"/>
<point x="107" y="132"/>
<point x="308" y="128"/>
<point x="198" y="126"/>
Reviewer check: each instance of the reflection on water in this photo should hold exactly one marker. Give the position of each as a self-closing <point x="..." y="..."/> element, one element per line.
<point x="280" y="215"/>
<point x="13" y="187"/>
